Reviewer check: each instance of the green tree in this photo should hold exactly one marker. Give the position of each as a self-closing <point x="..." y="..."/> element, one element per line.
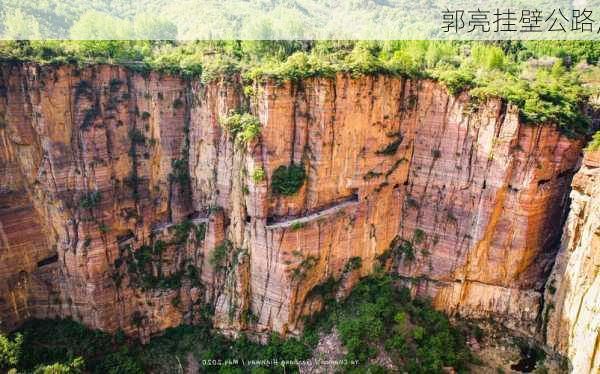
<point x="75" y="366"/>
<point x="151" y="27"/>
<point x="10" y="351"/>
<point x="94" y="25"/>
<point x="20" y="26"/>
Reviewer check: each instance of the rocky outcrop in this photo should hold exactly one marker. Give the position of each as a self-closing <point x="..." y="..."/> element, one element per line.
<point x="572" y="314"/>
<point x="127" y="205"/>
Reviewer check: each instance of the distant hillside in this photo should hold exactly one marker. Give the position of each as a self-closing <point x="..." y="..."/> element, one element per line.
<point x="251" y="19"/>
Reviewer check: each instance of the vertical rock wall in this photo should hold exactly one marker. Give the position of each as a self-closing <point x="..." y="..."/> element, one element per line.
<point x="88" y="157"/>
<point x="478" y="197"/>
<point x="126" y="205"/>
<point x="572" y="309"/>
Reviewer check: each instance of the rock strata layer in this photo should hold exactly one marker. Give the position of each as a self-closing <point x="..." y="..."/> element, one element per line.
<point x="126" y="205"/>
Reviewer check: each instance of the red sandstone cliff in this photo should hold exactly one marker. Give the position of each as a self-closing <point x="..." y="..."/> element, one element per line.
<point x="572" y="312"/>
<point x="479" y="197"/>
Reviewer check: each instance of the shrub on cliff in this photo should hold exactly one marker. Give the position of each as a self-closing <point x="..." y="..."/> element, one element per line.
<point x="354" y="263"/>
<point x="90" y="200"/>
<point x="287" y="180"/>
<point x="391" y="148"/>
<point x="258" y="175"/>
<point x="182" y="231"/>
<point x="594" y="144"/>
<point x="184" y="61"/>
<point x="362" y="60"/>
<point x="180" y="173"/>
<point x="455" y="80"/>
<point x="243" y="128"/>
<point x="136" y="136"/>
<point x="402" y="249"/>
<point x="218" y="257"/>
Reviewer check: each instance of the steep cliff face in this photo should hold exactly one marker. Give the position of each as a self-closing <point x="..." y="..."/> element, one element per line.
<point x="90" y="160"/>
<point x="125" y="204"/>
<point x="572" y="312"/>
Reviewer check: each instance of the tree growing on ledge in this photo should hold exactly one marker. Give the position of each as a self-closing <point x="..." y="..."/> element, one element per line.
<point x="287" y="180"/>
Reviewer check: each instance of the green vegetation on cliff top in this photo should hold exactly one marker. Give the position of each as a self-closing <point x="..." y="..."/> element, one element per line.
<point x="545" y="79"/>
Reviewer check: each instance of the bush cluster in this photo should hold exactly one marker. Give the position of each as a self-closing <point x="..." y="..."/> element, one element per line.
<point x="136" y="136"/>
<point x="258" y="175"/>
<point x="182" y="231"/>
<point x="218" y="257"/>
<point x="243" y="128"/>
<point x="354" y="263"/>
<point x="594" y="144"/>
<point x="180" y="172"/>
<point x="401" y="248"/>
<point x="90" y="200"/>
<point x="287" y="180"/>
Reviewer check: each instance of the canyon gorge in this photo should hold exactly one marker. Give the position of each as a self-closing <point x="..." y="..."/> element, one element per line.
<point x="127" y="205"/>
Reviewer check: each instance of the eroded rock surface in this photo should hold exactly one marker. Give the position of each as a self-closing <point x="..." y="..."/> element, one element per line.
<point x="126" y="205"/>
<point x="572" y="310"/>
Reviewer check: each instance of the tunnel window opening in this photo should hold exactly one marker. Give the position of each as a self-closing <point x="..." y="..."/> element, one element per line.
<point x="48" y="260"/>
